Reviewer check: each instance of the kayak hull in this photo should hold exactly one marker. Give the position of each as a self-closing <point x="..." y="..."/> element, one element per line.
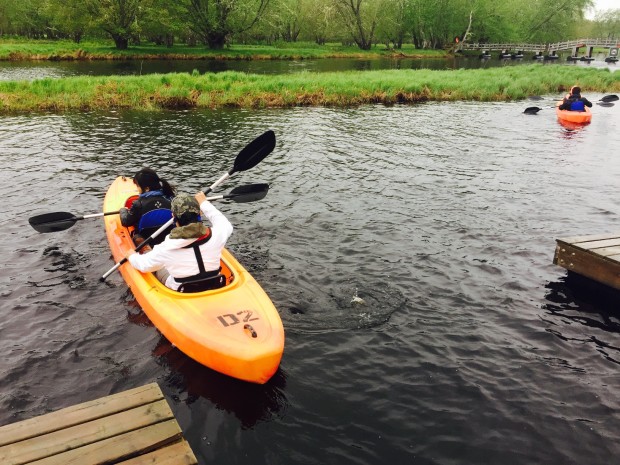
<point x="578" y="117"/>
<point x="235" y="330"/>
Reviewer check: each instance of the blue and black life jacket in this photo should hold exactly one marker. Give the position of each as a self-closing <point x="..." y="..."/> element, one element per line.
<point x="577" y="105"/>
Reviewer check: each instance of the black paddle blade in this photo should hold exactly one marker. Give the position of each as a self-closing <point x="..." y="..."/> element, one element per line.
<point x="248" y="193"/>
<point x="605" y="104"/>
<point x="531" y="110"/>
<point x="255" y="152"/>
<point x="52" y="222"/>
<point x="610" y="98"/>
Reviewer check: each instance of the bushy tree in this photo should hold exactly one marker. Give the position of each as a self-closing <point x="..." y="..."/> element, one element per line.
<point x="117" y="18"/>
<point x="360" y="19"/>
<point x="69" y="18"/>
<point x="162" y="21"/>
<point x="215" y="21"/>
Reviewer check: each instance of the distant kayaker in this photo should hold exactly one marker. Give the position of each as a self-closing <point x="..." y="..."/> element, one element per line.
<point x="192" y="251"/>
<point x="155" y="194"/>
<point x="574" y="101"/>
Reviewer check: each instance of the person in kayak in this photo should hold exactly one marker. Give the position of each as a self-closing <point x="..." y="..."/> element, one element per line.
<point x="155" y="196"/>
<point x="574" y="101"/>
<point x="191" y="252"/>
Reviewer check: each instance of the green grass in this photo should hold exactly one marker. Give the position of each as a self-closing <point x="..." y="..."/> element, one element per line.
<point x="66" y="50"/>
<point x="345" y="89"/>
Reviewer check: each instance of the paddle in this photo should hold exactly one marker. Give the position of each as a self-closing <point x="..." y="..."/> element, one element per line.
<point x="59" y="221"/>
<point x="606" y="98"/>
<point x="606" y="101"/>
<point x="250" y="156"/>
<point x="244" y="194"/>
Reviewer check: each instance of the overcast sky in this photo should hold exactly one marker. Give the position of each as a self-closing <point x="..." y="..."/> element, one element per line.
<point x="604" y="5"/>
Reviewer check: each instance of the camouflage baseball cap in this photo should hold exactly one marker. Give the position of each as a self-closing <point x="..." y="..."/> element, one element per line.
<point x="184" y="203"/>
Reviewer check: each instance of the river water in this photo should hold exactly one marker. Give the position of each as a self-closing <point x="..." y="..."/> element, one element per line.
<point x="468" y="345"/>
<point x="28" y="70"/>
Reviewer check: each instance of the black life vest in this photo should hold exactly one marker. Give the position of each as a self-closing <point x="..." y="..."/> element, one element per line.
<point x="203" y="273"/>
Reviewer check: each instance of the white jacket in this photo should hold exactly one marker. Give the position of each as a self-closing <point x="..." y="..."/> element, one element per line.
<point x="180" y="262"/>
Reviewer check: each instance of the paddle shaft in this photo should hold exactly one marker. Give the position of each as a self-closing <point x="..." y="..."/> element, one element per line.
<point x="94" y="215"/>
<point x="605" y="98"/>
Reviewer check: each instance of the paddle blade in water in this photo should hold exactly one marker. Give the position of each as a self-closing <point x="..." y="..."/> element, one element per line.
<point x="605" y="104"/>
<point x="253" y="153"/>
<point x="248" y="193"/>
<point x="610" y="98"/>
<point x="531" y="110"/>
<point x="52" y="222"/>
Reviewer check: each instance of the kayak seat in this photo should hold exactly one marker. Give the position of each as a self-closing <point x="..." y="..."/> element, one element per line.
<point x="205" y="284"/>
<point x="152" y="221"/>
<point x="129" y="202"/>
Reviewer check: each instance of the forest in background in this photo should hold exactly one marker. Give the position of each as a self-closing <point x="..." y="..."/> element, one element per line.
<point x="435" y="24"/>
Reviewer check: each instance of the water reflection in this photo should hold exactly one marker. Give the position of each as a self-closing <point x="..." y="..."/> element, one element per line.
<point x="584" y="311"/>
<point x="27" y="70"/>
<point x="250" y="403"/>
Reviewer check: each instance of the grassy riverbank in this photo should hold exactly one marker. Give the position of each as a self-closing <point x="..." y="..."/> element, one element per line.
<point x="14" y="50"/>
<point x="240" y="90"/>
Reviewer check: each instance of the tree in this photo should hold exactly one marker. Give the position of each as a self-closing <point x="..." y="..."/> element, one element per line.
<point x="548" y="20"/>
<point x="162" y="21"/>
<point x="360" y="19"/>
<point x="69" y="18"/>
<point x="118" y="18"/>
<point x="606" y="24"/>
<point x="25" y="18"/>
<point x="392" y="24"/>
<point x="215" y="21"/>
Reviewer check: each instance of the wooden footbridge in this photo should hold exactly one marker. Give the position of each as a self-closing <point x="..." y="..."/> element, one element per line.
<point x="546" y="51"/>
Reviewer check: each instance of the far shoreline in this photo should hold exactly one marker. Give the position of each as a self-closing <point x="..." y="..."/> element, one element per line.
<point x="70" y="51"/>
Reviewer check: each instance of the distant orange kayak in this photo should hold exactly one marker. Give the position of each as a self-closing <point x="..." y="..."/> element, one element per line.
<point x="581" y="117"/>
<point x="235" y="330"/>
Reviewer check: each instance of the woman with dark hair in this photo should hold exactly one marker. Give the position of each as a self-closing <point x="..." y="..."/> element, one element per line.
<point x="574" y="101"/>
<point x="152" y="207"/>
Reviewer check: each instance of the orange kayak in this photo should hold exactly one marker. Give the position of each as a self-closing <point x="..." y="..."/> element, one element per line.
<point x="235" y="330"/>
<point x="581" y="117"/>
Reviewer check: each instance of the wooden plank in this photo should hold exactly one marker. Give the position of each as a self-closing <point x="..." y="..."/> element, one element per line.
<point x="79" y="414"/>
<point x="609" y="252"/>
<point x="591" y="237"/>
<point x="592" y="245"/>
<point x="119" y="448"/>
<point x="587" y="263"/>
<point x="87" y="433"/>
<point x="175" y="454"/>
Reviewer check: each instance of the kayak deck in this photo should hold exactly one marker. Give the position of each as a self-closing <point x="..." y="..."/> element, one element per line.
<point x="235" y="330"/>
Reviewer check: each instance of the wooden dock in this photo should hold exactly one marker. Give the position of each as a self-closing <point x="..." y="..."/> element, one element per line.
<point x="134" y="427"/>
<point x="596" y="257"/>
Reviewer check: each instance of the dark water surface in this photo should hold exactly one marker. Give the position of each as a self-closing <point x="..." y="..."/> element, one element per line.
<point x="27" y="70"/>
<point x="470" y="346"/>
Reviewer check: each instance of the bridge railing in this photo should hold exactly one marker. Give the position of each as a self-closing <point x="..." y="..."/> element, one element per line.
<point x="522" y="47"/>
<point x="566" y="45"/>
